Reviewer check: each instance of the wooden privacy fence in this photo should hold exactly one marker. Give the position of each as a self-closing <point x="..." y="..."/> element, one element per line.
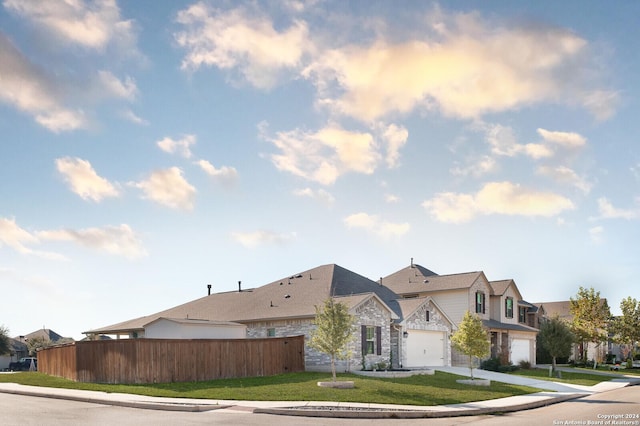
<point x="170" y="360"/>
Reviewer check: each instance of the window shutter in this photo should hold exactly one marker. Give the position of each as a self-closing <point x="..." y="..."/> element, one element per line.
<point x="363" y="332"/>
<point x="378" y="340"/>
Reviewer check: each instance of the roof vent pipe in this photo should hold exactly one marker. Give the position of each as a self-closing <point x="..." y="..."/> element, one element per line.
<point x="412" y="262"/>
<point x="208" y="289"/>
<point x="239" y="286"/>
<point x="380" y="280"/>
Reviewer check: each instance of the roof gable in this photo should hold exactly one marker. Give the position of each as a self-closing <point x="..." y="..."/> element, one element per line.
<point x="499" y="288"/>
<point x="410" y="306"/>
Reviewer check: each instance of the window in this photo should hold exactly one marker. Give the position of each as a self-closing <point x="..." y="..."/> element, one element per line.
<point x="508" y="307"/>
<point x="480" y="308"/>
<point x="426" y="317"/>
<point x="371" y="340"/>
<point x="271" y="332"/>
<point x="522" y="314"/>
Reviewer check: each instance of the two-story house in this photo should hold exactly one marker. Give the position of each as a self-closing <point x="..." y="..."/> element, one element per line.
<point x="499" y="304"/>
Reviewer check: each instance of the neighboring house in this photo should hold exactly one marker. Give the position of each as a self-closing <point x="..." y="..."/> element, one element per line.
<point x="405" y="320"/>
<point x="562" y="309"/>
<point x="17" y="350"/>
<point x="496" y="303"/>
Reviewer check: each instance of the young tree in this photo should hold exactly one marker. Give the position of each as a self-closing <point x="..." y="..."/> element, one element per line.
<point x="333" y="331"/>
<point x="626" y="328"/>
<point x="556" y="337"/>
<point x="471" y="339"/>
<point x="591" y="317"/>
<point x="5" y="347"/>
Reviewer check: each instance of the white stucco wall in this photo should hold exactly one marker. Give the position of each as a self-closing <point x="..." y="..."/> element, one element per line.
<point x="165" y="329"/>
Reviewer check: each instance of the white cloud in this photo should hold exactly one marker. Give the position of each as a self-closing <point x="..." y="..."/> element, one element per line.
<point x="132" y="117"/>
<point x="375" y="225"/>
<point x="476" y="167"/>
<point x="503" y="141"/>
<point x="83" y="179"/>
<point x="169" y="188"/>
<point x="180" y="146"/>
<point x="19" y="239"/>
<point x="566" y="139"/>
<point x="320" y="194"/>
<point x="608" y="211"/>
<point x="237" y="40"/>
<point x="596" y="233"/>
<point x="325" y="155"/>
<point x="470" y="68"/>
<point x="119" y="240"/>
<point x="395" y="137"/>
<point x="28" y="89"/>
<point x="567" y="176"/>
<point x="90" y="24"/>
<point x="225" y="175"/>
<point x="257" y="238"/>
<point x="503" y="198"/>
<point x="391" y="198"/>
<point x="601" y="103"/>
<point x="115" y="87"/>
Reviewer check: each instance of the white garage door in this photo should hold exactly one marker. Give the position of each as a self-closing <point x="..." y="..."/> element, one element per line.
<point x="425" y="348"/>
<point x="520" y="350"/>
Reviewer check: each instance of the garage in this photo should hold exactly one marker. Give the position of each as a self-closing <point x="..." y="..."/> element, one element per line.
<point x="425" y="348"/>
<point x="520" y="350"/>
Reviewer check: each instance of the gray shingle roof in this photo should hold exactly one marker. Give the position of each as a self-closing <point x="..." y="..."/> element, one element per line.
<point x="412" y="280"/>
<point x="497" y="325"/>
<point x="499" y="287"/>
<point x="294" y="296"/>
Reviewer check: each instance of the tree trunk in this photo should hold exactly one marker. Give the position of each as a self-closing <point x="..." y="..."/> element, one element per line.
<point x="471" y="366"/>
<point x="333" y="367"/>
<point x="553" y="366"/>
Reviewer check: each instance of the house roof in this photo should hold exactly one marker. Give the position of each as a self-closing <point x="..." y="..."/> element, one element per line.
<point x="197" y="322"/>
<point x="294" y="296"/>
<point x="497" y="325"/>
<point x="561" y="309"/>
<point x="499" y="287"/>
<point x="412" y="280"/>
<point x="43" y="333"/>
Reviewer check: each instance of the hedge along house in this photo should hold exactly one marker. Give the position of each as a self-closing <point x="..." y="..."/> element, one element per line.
<point x="286" y="307"/>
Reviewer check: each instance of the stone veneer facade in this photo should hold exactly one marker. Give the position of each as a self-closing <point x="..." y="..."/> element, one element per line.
<point x="437" y="322"/>
<point x="369" y="313"/>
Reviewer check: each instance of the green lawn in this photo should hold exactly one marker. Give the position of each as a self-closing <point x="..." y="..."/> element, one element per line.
<point x="438" y="389"/>
<point x="577" y="377"/>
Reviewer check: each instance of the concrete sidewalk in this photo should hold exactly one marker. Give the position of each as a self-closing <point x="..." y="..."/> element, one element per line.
<point x="551" y="393"/>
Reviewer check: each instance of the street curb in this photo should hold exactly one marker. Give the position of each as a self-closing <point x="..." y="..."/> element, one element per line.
<point x="367" y="413"/>
<point x="164" y="406"/>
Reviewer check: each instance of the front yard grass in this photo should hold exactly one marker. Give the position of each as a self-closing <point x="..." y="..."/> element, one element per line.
<point x="578" y="377"/>
<point x="438" y="389"/>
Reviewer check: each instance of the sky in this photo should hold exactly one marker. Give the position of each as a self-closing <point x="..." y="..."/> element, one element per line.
<point x="150" y="148"/>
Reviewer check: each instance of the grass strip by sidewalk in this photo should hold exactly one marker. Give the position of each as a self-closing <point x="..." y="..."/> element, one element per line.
<point x="438" y="389"/>
<point x="578" y="377"/>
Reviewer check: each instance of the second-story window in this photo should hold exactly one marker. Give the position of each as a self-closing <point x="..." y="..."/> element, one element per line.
<point x="480" y="306"/>
<point x="508" y="307"/>
<point x="522" y="314"/>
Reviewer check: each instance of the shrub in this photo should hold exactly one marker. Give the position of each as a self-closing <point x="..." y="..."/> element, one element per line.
<point x="491" y="364"/>
<point x="525" y="365"/>
<point x="494" y="364"/>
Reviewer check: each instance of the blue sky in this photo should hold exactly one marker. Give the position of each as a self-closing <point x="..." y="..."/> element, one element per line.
<point x="151" y="148"/>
